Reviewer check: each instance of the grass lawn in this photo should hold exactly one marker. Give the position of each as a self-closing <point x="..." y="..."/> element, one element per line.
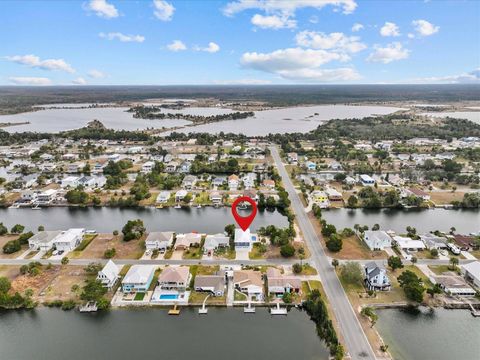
<point x="476" y="253"/>
<point x="202" y="198"/>
<point x="256" y="252"/>
<point x="308" y="270"/>
<point x="193" y="253"/>
<point x="139" y="296"/>
<point x="225" y="253"/>
<point x="238" y="296"/>
<point x="440" y="269"/>
<point x="199" y="297"/>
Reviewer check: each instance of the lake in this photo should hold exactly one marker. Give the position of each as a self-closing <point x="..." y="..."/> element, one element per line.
<point x="465" y="221"/>
<point x="104" y="219"/>
<point x="430" y="335"/>
<point x="287" y="120"/>
<point x="51" y="334"/>
<point x="293" y="119"/>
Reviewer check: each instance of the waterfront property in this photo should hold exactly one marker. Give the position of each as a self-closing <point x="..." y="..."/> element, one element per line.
<point x="109" y="275"/>
<point x="244" y="239"/>
<point x="138" y="278"/>
<point x="471" y="272"/>
<point x="157" y="240"/>
<point x="214" y="242"/>
<point x="376" y="277"/>
<point x="249" y="282"/>
<point x="174" y="278"/>
<point x="454" y="285"/>
<point x="214" y="284"/>
<point x="43" y="241"/>
<point x="184" y="241"/>
<point x="69" y="240"/>
<point x="377" y="239"/>
<point x="279" y="284"/>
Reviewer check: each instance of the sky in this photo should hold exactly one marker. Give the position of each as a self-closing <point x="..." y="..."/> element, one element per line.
<point x="156" y="42"/>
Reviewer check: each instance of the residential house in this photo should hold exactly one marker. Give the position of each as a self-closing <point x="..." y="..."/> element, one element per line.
<point x="279" y="284"/>
<point x="109" y="275"/>
<point x="189" y="182"/>
<point x="268" y="183"/>
<point x="185" y="241"/>
<point x="46" y="197"/>
<point x="249" y="180"/>
<point x="244" y="239"/>
<point x="147" y="167"/>
<point x="377" y="239"/>
<point x="432" y="241"/>
<point x="366" y="180"/>
<point x="406" y="243"/>
<point x="376" y="277"/>
<point x="138" y="278"/>
<point x="216" y="198"/>
<point x="70" y="182"/>
<point x="471" y="271"/>
<point x="333" y="194"/>
<point x="252" y="194"/>
<point x="185" y="167"/>
<point x="28" y="196"/>
<point x="219" y="181"/>
<point x="180" y="195"/>
<point x="419" y="193"/>
<point x="292" y="158"/>
<point x="350" y="180"/>
<point x="464" y="241"/>
<point x="43" y="241"/>
<point x="163" y="197"/>
<point x="75" y="168"/>
<point x="159" y="240"/>
<point x="310" y="165"/>
<point x="92" y="182"/>
<point x="454" y="285"/>
<point x="171" y="167"/>
<point x="213" y="242"/>
<point x="47" y="157"/>
<point x="233" y="182"/>
<point x="214" y="284"/>
<point x="320" y="198"/>
<point x="174" y="278"/>
<point x="69" y="240"/>
<point x="250" y="283"/>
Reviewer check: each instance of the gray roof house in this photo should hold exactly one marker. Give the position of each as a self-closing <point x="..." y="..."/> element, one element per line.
<point x="432" y="241"/>
<point x="214" y="284"/>
<point x="377" y="239"/>
<point x="376" y="277"/>
<point x="43" y="241"/>
<point x="213" y="242"/>
<point x="159" y="240"/>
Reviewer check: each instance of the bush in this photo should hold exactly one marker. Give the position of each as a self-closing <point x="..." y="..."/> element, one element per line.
<point x="334" y="243"/>
<point x="109" y="253"/>
<point x="297" y="268"/>
<point x="68" y="305"/>
<point x="65" y="260"/>
<point x="17" y="229"/>
<point x="24" y="238"/>
<point x="133" y="229"/>
<point x="11" y="247"/>
<point x="287" y="250"/>
<point x="351" y="273"/>
<point x="3" y="229"/>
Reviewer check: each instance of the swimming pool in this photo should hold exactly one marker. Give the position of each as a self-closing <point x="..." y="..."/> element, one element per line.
<point x="168" y="297"/>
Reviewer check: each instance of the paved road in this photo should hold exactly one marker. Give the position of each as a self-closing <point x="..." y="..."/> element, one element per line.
<point x="356" y="342"/>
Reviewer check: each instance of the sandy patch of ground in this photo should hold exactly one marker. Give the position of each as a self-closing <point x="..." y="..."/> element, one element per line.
<point x="133" y="249"/>
<point x="60" y="288"/>
<point x="10" y="272"/>
<point x="445" y="197"/>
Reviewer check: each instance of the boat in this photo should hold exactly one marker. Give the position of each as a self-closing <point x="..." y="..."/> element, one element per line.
<point x="199" y="206"/>
<point x="178" y="206"/>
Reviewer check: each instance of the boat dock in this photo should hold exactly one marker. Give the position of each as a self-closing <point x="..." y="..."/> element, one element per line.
<point x="278" y="310"/>
<point x="88" y="307"/>
<point x="174" y="311"/>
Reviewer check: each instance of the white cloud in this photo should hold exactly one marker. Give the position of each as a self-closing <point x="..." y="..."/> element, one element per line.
<point x="390" y="29"/>
<point x="21" y="80"/>
<point x="242" y="82"/>
<point x="211" y="48"/>
<point x="410" y="35"/>
<point x="79" y="81"/>
<point x="424" y="28"/>
<point x="392" y="52"/>
<point x="472" y="77"/>
<point x="96" y="74"/>
<point x="299" y="64"/>
<point x="357" y="27"/>
<point x="333" y="41"/>
<point x="286" y="7"/>
<point x="47" y="64"/>
<point x="122" y="37"/>
<point x="273" y="22"/>
<point x="313" y="19"/>
<point x="102" y="8"/>
<point x="163" y="10"/>
<point x="176" y="45"/>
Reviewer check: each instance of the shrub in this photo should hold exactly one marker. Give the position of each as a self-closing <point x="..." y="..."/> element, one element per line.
<point x="287" y="250"/>
<point x="11" y="247"/>
<point x="297" y="268"/>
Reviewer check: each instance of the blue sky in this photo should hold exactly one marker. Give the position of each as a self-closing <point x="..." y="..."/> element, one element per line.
<point x="239" y="42"/>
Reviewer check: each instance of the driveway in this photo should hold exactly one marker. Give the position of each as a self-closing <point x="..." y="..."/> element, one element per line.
<point x="241" y="255"/>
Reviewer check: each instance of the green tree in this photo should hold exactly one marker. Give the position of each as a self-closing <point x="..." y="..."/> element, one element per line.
<point x="287" y="250"/>
<point x="334" y="243"/>
<point x="351" y="273"/>
<point x="65" y="260"/>
<point x="133" y="229"/>
<point x="109" y="253"/>
<point x="297" y="268"/>
<point x="11" y="247"/>
<point x="453" y="262"/>
<point x="335" y="263"/>
<point x="17" y="229"/>
<point x="395" y="263"/>
<point x="352" y="201"/>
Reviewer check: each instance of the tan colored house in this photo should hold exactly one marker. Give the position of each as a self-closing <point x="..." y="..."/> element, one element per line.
<point x="174" y="278"/>
<point x="249" y="282"/>
<point x="279" y="284"/>
<point x="184" y="241"/>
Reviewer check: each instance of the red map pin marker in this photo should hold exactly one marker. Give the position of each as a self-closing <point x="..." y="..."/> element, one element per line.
<point x="244" y="221"/>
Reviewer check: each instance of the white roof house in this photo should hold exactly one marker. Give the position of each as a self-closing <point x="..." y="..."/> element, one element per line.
<point x="163" y="196"/>
<point x="377" y="239"/>
<point x="69" y="240"/>
<point x="408" y="243"/>
<point x="184" y="241"/>
<point x="138" y="278"/>
<point x="43" y="241"/>
<point x="109" y="274"/>
<point x="159" y="240"/>
<point x="244" y="239"/>
<point x="472" y="272"/>
<point x="212" y="242"/>
<point x="367" y="180"/>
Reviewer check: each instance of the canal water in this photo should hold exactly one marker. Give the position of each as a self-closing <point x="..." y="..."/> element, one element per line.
<point x="104" y="219"/>
<point x="438" y="334"/>
<point x="465" y="221"/>
<point x="51" y="334"/>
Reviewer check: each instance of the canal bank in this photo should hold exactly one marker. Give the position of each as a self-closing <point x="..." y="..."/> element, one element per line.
<point x="49" y="334"/>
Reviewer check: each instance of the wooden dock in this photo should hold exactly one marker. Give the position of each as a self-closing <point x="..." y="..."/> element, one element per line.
<point x="174" y="311"/>
<point x="88" y="307"/>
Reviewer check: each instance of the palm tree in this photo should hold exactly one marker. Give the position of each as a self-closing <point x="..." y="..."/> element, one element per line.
<point x="356" y="227"/>
<point x="335" y="263"/>
<point x="454" y="262"/>
<point x="452" y="230"/>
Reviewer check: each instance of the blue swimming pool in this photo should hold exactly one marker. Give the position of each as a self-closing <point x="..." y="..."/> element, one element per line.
<point x="168" y="297"/>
